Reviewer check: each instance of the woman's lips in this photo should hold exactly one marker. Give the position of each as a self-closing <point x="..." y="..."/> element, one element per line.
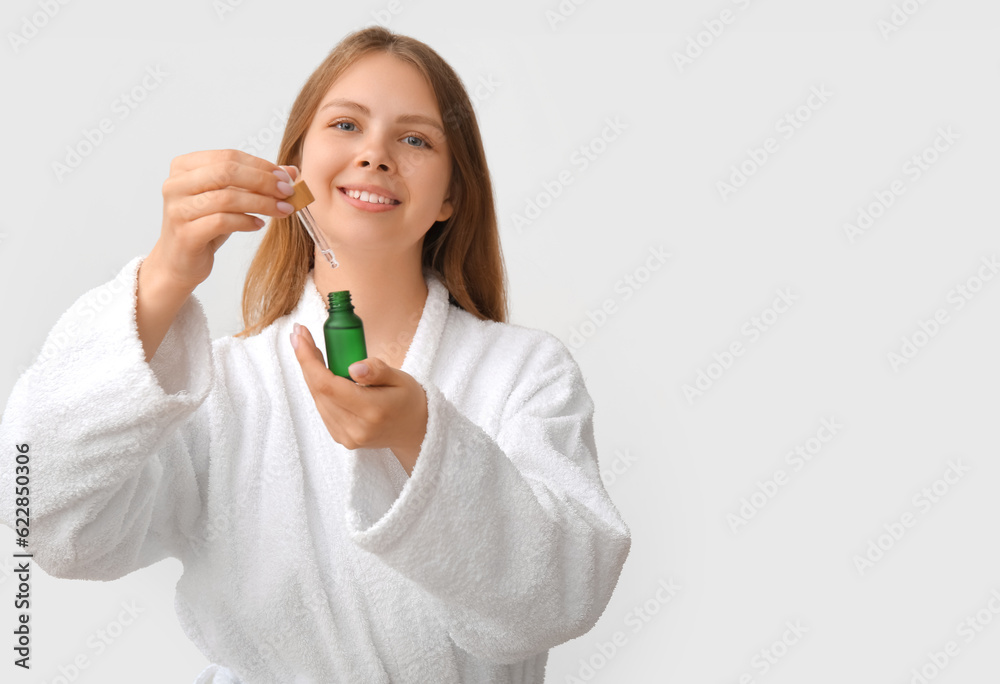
<point x="366" y="206"/>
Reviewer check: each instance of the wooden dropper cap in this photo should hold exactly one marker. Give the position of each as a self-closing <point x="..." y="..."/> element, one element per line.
<point x="302" y="196"/>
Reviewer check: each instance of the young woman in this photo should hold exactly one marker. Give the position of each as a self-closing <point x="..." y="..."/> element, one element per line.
<point x="440" y="519"/>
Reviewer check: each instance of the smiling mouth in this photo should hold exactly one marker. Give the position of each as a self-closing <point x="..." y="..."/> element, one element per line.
<point x="370" y="197"/>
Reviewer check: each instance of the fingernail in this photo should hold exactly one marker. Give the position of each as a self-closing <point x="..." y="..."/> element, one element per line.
<point x="286" y="188"/>
<point x="259" y="221"/>
<point x="359" y="369"/>
<point x="285" y="207"/>
<point x="283" y="175"/>
<point x="295" y="340"/>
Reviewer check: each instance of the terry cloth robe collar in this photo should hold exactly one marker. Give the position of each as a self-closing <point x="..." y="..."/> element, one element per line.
<point x="311" y="312"/>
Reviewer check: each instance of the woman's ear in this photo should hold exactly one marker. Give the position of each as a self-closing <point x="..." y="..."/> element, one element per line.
<point x="448" y="206"/>
<point x="447" y="209"/>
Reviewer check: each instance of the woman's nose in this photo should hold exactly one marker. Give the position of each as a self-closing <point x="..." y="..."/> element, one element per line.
<point x="374" y="153"/>
<point x="365" y="163"/>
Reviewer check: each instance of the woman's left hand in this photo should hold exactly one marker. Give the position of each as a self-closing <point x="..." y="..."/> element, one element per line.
<point x="387" y="408"/>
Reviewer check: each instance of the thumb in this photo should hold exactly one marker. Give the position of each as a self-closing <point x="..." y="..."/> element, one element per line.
<point x="371" y="371"/>
<point x="308" y="355"/>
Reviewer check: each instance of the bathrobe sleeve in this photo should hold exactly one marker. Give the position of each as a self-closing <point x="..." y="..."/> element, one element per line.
<point x="112" y="478"/>
<point x="513" y="538"/>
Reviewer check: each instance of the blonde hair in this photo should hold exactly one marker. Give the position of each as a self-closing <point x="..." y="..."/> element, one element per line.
<point x="464" y="250"/>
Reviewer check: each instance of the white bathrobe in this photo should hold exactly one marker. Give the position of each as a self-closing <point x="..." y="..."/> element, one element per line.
<point x="305" y="561"/>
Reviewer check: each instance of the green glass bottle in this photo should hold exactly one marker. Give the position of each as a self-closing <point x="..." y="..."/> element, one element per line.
<point x="344" y="333"/>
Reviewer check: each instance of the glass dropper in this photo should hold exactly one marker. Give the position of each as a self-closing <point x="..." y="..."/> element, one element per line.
<point x="299" y="200"/>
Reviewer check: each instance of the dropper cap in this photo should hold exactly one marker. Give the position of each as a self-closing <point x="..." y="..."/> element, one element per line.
<point x="302" y="196"/>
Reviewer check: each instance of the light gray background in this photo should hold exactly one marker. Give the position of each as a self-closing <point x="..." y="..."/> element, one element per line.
<point x="687" y="464"/>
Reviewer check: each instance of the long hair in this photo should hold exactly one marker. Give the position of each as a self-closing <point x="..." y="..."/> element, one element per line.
<point x="464" y="250"/>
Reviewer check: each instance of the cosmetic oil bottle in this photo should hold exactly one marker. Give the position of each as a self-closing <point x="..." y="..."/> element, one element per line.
<point x="345" y="336"/>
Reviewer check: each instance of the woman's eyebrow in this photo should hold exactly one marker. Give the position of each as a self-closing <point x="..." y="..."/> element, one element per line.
<point x="405" y="118"/>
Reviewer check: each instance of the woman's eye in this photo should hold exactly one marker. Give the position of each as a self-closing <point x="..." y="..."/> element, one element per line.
<point x="420" y="142"/>
<point x="350" y="127"/>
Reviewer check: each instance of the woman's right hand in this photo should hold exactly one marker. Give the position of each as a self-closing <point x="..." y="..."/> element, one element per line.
<point x="206" y="199"/>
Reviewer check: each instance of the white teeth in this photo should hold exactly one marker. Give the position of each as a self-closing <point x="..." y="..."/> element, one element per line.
<point x="366" y="196"/>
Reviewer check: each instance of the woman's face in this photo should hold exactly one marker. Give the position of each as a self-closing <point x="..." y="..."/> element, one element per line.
<point x="377" y="130"/>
